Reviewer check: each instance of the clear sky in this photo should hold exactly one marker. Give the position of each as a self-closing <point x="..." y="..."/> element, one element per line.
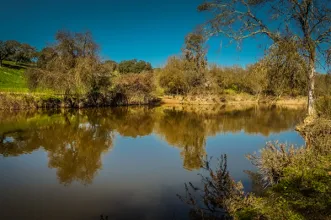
<point x="150" y="30"/>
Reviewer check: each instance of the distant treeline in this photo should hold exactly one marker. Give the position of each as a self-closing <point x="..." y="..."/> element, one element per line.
<point x="72" y="66"/>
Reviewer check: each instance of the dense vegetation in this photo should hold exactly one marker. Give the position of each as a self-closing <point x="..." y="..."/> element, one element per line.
<point x="71" y="67"/>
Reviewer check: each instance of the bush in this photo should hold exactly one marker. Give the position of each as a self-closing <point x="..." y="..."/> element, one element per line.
<point x="273" y="159"/>
<point x="134" y="66"/>
<point x="318" y="135"/>
<point x="323" y="106"/>
<point x="221" y="195"/>
<point x="180" y="76"/>
<point x="12" y="101"/>
<point x="306" y="187"/>
<point x="135" y="88"/>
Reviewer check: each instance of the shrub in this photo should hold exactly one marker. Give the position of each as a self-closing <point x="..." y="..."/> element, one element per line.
<point x="306" y="187"/>
<point x="135" y="88"/>
<point x="134" y="66"/>
<point x="323" y="106"/>
<point x="318" y="135"/>
<point x="180" y="76"/>
<point x="273" y="159"/>
<point x="221" y="195"/>
<point x="12" y="101"/>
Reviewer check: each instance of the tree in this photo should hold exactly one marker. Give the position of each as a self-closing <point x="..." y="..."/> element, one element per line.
<point x="3" y="52"/>
<point x="111" y="65"/>
<point x="178" y="76"/>
<point x="307" y="21"/>
<point x="134" y="66"/>
<point x="70" y="66"/>
<point x="256" y="78"/>
<point x="12" y="46"/>
<point x="285" y="69"/>
<point x="23" y="53"/>
<point x="195" y="50"/>
<point x="45" y="56"/>
<point x="16" y="51"/>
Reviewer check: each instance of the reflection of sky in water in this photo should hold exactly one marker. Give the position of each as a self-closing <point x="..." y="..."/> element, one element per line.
<point x="139" y="178"/>
<point x="8" y="140"/>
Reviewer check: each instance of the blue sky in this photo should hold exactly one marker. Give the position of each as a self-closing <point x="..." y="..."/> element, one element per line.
<point x="150" y="30"/>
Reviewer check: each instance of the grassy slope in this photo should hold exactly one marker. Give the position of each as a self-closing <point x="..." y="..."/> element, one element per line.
<point x="12" y="78"/>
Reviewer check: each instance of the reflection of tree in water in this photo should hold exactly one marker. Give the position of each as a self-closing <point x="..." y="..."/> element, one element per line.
<point x="15" y="143"/>
<point x="186" y="131"/>
<point x="78" y="155"/>
<point x="76" y="139"/>
<point x="74" y="145"/>
<point x="133" y="121"/>
<point x="260" y="120"/>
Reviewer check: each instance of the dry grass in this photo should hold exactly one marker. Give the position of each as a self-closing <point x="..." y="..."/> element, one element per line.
<point x="242" y="98"/>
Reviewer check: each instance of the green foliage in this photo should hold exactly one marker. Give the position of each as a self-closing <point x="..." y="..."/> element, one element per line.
<point x="323" y="106"/>
<point x="173" y="77"/>
<point x="134" y="66"/>
<point x="236" y="79"/>
<point x="306" y="186"/>
<point x="318" y="135"/>
<point x="323" y="85"/>
<point x="195" y="50"/>
<point x="286" y="69"/>
<point x="15" y="51"/>
<point x="180" y="76"/>
<point x="111" y="65"/>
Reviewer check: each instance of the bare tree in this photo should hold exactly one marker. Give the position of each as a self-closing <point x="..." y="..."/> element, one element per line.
<point x="308" y="21"/>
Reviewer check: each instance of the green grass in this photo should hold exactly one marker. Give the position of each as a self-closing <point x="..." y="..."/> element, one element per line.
<point x="12" y="78"/>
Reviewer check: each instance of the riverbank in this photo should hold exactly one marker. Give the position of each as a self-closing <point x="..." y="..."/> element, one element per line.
<point x="233" y="99"/>
<point x="17" y="101"/>
<point x="49" y="101"/>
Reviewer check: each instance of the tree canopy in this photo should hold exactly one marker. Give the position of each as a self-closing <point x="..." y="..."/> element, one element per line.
<point x="15" y="51"/>
<point x="134" y="66"/>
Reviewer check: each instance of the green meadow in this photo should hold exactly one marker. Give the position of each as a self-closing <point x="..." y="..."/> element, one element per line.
<point x="12" y="78"/>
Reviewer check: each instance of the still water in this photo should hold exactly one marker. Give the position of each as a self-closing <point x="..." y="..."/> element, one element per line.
<point x="126" y="163"/>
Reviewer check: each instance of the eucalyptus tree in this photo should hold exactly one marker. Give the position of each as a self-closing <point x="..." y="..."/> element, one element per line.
<point x="306" y="21"/>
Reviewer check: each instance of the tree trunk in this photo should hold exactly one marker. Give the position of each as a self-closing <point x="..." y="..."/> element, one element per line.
<point x="311" y="87"/>
<point x="0" y="63"/>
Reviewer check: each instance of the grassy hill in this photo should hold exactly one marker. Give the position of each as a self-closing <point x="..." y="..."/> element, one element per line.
<point x="12" y="78"/>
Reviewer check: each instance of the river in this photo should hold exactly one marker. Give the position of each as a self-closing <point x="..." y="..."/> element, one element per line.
<point x="129" y="162"/>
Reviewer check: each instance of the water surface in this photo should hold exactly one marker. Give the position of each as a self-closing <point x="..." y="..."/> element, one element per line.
<point x="126" y="163"/>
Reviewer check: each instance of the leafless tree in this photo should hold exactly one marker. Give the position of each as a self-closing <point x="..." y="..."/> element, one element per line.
<point x="307" y="21"/>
